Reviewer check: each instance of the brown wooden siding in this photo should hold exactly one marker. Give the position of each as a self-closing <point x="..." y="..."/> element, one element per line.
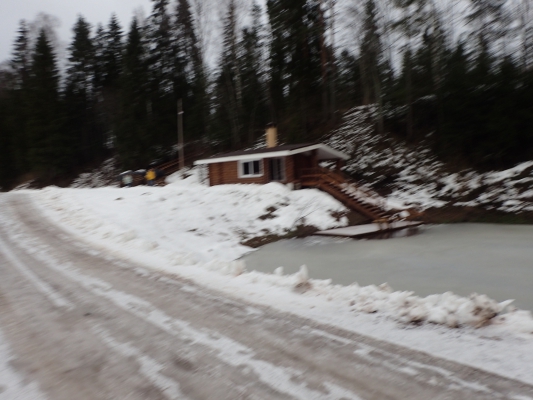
<point x="289" y="169"/>
<point x="228" y="172"/>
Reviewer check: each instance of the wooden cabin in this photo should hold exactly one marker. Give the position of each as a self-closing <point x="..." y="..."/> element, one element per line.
<point x="286" y="164"/>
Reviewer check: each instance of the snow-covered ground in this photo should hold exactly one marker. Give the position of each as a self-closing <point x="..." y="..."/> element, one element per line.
<point x="417" y="178"/>
<point x="190" y="221"/>
<point x="196" y="232"/>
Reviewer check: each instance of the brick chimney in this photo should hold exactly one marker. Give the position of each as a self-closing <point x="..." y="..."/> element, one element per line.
<point x="271" y="135"/>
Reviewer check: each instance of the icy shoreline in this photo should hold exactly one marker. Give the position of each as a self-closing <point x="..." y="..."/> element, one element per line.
<point x="502" y="342"/>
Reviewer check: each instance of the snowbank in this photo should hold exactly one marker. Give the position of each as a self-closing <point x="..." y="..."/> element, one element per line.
<point x="194" y="222"/>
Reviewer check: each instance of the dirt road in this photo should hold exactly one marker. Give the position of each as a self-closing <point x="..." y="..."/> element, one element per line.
<point x="79" y="323"/>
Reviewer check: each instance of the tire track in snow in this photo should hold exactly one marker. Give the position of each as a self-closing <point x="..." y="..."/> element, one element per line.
<point x="149" y="367"/>
<point x="56" y="299"/>
<point x="286" y="380"/>
<point x="404" y="365"/>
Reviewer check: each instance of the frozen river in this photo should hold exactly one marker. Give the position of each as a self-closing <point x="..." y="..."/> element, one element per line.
<point x="496" y="260"/>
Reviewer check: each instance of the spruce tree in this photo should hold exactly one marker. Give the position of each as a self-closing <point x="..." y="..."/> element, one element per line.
<point x="49" y="149"/>
<point x="109" y="54"/>
<point x="295" y="67"/>
<point x="349" y="81"/>
<point x="80" y="94"/>
<point x="20" y="64"/>
<point x="160" y="52"/>
<point x="228" y="89"/>
<point x="370" y="61"/>
<point x="112" y="54"/>
<point x="190" y="79"/>
<point x="255" y="111"/>
<point x="456" y="126"/>
<point x="8" y="165"/>
<point x="21" y="59"/>
<point x="99" y="44"/>
<point x="134" y="141"/>
<point x="161" y="56"/>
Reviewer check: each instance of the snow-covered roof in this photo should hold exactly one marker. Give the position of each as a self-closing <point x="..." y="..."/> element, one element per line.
<point x="324" y="153"/>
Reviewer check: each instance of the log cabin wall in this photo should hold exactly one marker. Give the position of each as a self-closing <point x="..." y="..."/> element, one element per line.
<point x="290" y="173"/>
<point x="228" y="172"/>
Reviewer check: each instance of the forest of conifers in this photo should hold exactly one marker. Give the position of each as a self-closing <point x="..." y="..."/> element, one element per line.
<point x="458" y="76"/>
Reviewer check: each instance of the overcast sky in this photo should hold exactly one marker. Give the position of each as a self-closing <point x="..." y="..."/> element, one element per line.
<point x="94" y="11"/>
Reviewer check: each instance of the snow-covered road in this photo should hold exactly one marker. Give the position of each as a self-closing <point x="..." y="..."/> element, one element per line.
<point x="81" y="323"/>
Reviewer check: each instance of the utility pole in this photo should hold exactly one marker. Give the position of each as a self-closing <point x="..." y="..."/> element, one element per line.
<point x="180" y="134"/>
<point x="333" y="61"/>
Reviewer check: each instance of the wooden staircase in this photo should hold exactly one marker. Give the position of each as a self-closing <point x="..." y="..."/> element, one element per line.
<point x="353" y="196"/>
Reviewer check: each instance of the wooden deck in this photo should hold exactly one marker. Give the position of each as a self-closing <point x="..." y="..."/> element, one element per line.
<point x="360" y="231"/>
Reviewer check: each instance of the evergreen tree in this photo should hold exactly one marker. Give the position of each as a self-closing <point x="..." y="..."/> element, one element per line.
<point x="228" y="89"/>
<point x="295" y="67"/>
<point x="255" y="111"/>
<point x="370" y="61"/>
<point x="161" y="51"/>
<point x="8" y="160"/>
<point x="109" y="54"/>
<point x="20" y="64"/>
<point x="21" y="59"/>
<point x="161" y="62"/>
<point x="112" y="54"/>
<point x="350" y="81"/>
<point x="49" y="149"/>
<point x="134" y="142"/>
<point x="455" y="126"/>
<point x="413" y="19"/>
<point x="80" y="100"/>
<point x="99" y="44"/>
<point x="190" y="81"/>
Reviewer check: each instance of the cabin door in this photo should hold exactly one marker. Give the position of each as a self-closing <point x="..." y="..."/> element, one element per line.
<point x="277" y="169"/>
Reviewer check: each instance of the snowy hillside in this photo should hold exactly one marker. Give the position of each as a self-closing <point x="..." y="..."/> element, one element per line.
<point x="414" y="177"/>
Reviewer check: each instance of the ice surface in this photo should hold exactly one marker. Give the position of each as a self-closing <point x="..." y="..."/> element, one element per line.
<point x="463" y="258"/>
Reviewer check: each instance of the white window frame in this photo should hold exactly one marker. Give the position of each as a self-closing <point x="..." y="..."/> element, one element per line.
<point x="241" y="168"/>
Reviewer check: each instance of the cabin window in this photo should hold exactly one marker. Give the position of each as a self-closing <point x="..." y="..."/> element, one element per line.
<point x="250" y="169"/>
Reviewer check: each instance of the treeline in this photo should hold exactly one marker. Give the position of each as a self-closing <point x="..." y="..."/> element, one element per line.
<point x="459" y="76"/>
